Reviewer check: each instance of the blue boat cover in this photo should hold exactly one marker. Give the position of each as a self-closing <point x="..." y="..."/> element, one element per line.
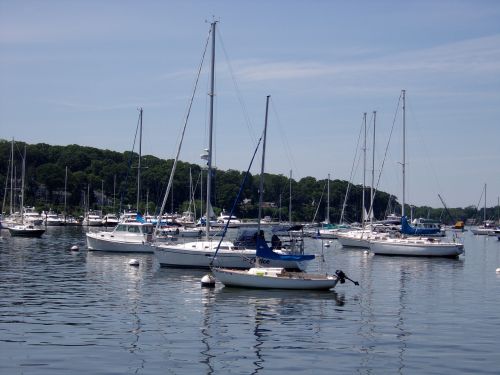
<point x="406" y="228"/>
<point x="264" y="251"/>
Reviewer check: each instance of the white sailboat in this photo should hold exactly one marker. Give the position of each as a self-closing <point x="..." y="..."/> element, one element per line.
<point x="360" y="238"/>
<point x="129" y="236"/>
<point x="25" y="229"/>
<point x="268" y="277"/>
<point x="488" y="226"/>
<point x="413" y="246"/>
<point x="198" y="254"/>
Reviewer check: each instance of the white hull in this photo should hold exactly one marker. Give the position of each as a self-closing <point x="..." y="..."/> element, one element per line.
<point x="483" y="231"/>
<point x="416" y="247"/>
<point x="328" y="234"/>
<point x="268" y="278"/>
<point x="103" y="241"/>
<point x="350" y="239"/>
<point x="199" y="254"/>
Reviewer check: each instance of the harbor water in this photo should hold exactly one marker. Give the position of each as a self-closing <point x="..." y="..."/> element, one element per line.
<point x="81" y="312"/>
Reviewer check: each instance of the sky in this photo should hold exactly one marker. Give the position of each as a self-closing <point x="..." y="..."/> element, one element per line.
<point x="76" y="72"/>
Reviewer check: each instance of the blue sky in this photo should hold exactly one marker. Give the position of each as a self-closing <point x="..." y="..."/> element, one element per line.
<point x="76" y="72"/>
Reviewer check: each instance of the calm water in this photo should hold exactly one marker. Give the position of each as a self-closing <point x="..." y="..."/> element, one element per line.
<point x="64" y="312"/>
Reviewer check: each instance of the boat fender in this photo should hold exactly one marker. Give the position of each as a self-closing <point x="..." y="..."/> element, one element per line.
<point x="208" y="281"/>
<point x="342" y="277"/>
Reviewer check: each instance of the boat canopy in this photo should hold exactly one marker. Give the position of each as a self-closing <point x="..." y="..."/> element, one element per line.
<point x="264" y="251"/>
<point x="406" y="228"/>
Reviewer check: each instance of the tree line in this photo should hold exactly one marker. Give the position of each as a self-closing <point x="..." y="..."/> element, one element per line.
<point x="92" y="178"/>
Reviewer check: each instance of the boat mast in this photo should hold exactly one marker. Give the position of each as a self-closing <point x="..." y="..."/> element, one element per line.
<point x="328" y="202"/>
<point x="484" y="214"/>
<point x="22" y="185"/>
<point x="290" y="203"/>
<point x="139" y="165"/>
<point x="404" y="152"/>
<point x="363" y="218"/>
<point x="261" y="182"/>
<point x="65" y="189"/>
<point x="211" y="123"/>
<point x="12" y="177"/>
<point x="373" y="170"/>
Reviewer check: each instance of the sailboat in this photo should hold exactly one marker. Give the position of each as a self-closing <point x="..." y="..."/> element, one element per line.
<point x="328" y="230"/>
<point x="360" y="238"/>
<point x="198" y="254"/>
<point x="25" y="229"/>
<point x="266" y="277"/>
<point x="488" y="226"/>
<point x="128" y="236"/>
<point x="413" y="246"/>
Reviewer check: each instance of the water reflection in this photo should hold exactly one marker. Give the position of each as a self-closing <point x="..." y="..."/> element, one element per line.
<point x="268" y="321"/>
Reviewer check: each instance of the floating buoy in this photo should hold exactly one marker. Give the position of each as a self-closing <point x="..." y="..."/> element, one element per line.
<point x="498" y="270"/>
<point x="133" y="262"/>
<point x="366" y="252"/>
<point x="208" y="281"/>
<point x="74" y="248"/>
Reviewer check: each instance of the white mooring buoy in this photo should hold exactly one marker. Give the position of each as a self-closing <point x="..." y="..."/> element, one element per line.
<point x="133" y="262"/>
<point x="498" y="270"/>
<point x="74" y="248"/>
<point x="208" y="281"/>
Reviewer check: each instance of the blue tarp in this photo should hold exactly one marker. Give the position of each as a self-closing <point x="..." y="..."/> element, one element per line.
<point x="406" y="228"/>
<point x="264" y="251"/>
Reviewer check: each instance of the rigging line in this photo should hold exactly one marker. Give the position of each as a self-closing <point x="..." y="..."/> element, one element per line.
<point x="188" y="107"/>
<point x="319" y="203"/>
<point x="426" y="149"/>
<point x="129" y="165"/>
<point x="195" y="84"/>
<point x="385" y="154"/>
<point x="284" y="139"/>
<point x="170" y="182"/>
<point x="235" y="203"/>
<point x="351" y="176"/>
<point x="238" y="91"/>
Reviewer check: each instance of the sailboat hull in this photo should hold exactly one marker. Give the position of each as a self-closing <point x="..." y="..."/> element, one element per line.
<point x="265" y="278"/>
<point x="416" y="247"/>
<point x="351" y="239"/>
<point x="106" y="242"/>
<point x="199" y="254"/>
<point x="23" y="231"/>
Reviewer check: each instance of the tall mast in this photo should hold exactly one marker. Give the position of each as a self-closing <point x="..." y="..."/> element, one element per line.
<point x="328" y="202"/>
<point x="290" y="203"/>
<point x="211" y="124"/>
<point x="65" y="189"/>
<point x="22" y="185"/>
<point x="363" y="218"/>
<point x="139" y="165"/>
<point x="114" y="192"/>
<point x="102" y="196"/>
<point x="404" y="152"/>
<point x="373" y="169"/>
<point x="12" y="177"/>
<point x="261" y="183"/>
<point x="484" y="214"/>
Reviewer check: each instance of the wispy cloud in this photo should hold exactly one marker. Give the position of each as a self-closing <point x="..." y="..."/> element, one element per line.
<point x="479" y="56"/>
